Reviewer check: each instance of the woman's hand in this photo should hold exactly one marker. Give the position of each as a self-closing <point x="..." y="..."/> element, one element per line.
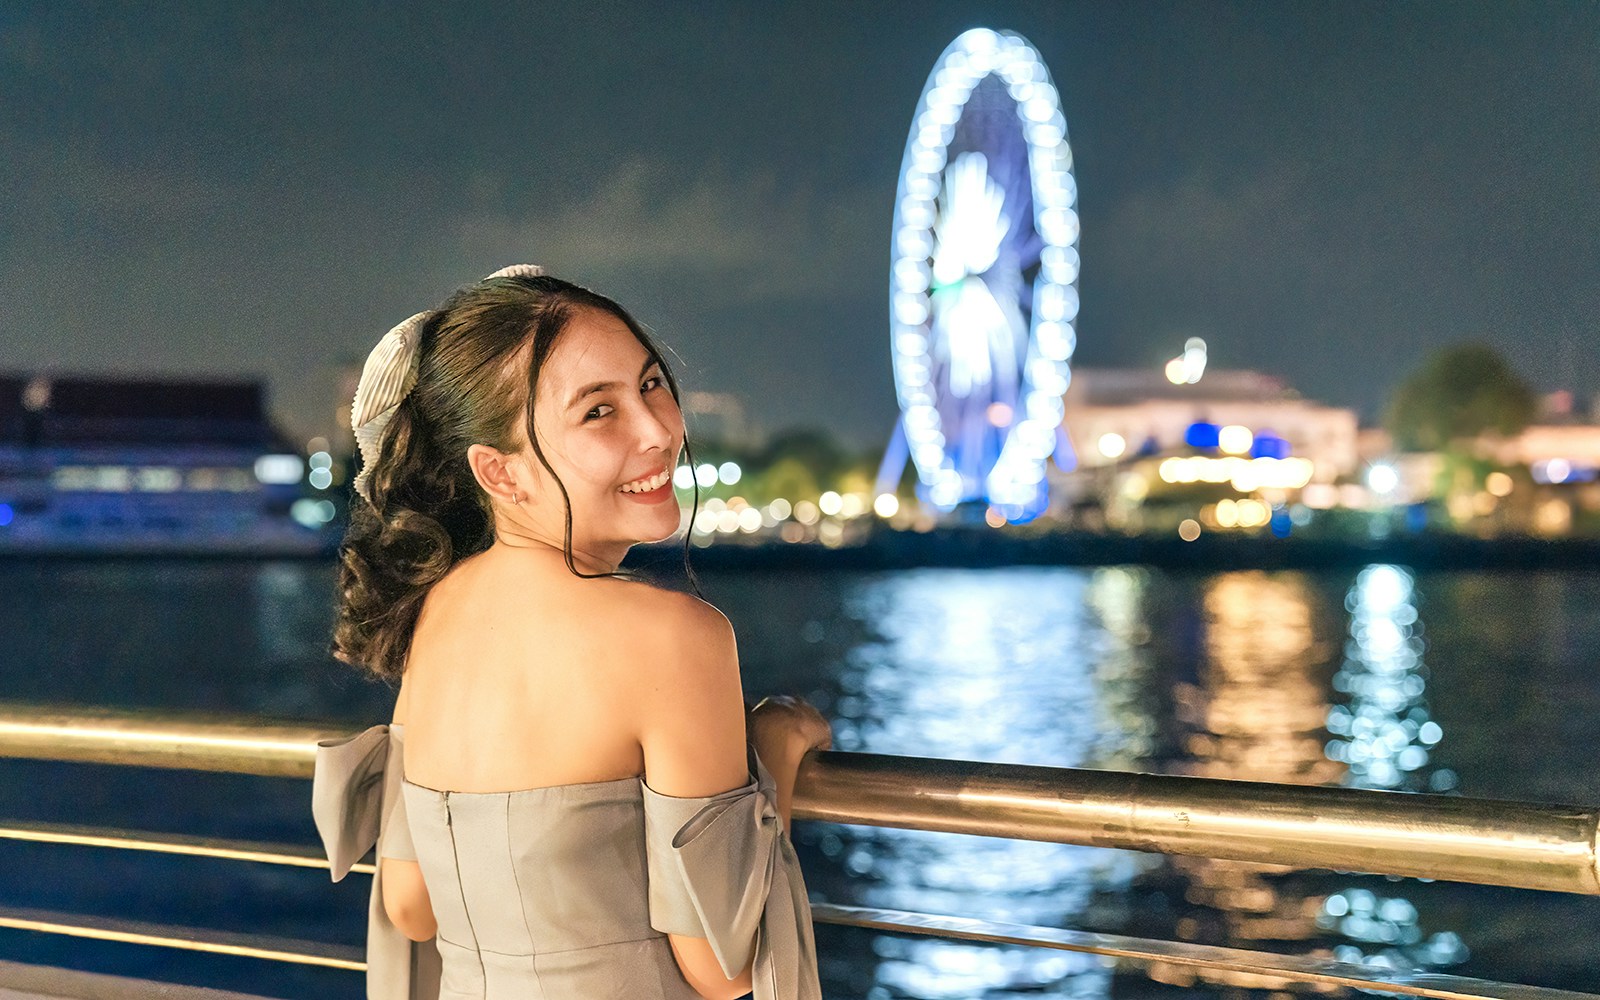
<point x="783" y="730"/>
<point x="787" y="726"/>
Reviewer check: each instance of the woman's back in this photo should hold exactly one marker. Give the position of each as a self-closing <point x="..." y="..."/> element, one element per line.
<point x="521" y="675"/>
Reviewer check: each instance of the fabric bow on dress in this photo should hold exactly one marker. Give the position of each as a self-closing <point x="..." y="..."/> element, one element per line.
<point x="730" y="874"/>
<point x="356" y="805"/>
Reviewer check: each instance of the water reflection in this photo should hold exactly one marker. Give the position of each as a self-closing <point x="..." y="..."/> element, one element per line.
<point x="1259" y="712"/>
<point x="1383" y="734"/>
<point x="1030" y="666"/>
<point x="1255" y="713"/>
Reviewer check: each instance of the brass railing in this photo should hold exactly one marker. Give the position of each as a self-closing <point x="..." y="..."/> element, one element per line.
<point x="1485" y="841"/>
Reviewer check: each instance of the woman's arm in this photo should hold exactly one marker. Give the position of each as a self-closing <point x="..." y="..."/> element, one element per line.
<point x="405" y="895"/>
<point x="692" y="733"/>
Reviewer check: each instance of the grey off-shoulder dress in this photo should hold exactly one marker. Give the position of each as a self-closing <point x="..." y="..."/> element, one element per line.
<point x="568" y="891"/>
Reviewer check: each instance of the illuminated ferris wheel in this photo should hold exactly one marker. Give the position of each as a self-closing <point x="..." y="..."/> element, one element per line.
<point x="983" y="280"/>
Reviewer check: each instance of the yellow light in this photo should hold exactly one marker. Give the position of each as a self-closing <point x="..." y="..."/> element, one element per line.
<point x="1235" y="439"/>
<point x="1227" y="514"/>
<point x="1189" y="530"/>
<point x="887" y="505"/>
<point x="1178" y="376"/>
<point x="993" y="518"/>
<point x="1498" y="484"/>
<point x="830" y="503"/>
<point x="1113" y="445"/>
<point x="1253" y="513"/>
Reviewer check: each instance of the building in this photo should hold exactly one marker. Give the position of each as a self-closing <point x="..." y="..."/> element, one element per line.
<point x="1114" y="413"/>
<point x="141" y="465"/>
<point x="1138" y="434"/>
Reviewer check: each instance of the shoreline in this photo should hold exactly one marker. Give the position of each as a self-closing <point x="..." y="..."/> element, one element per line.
<point x="983" y="548"/>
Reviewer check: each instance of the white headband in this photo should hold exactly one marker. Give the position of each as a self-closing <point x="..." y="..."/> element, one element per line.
<point x="390" y="372"/>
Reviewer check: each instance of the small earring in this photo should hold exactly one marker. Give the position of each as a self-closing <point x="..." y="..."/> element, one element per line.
<point x="514" y="497"/>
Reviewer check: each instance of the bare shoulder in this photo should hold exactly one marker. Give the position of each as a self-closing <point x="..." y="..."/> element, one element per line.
<point x="676" y="623"/>
<point x="689" y="698"/>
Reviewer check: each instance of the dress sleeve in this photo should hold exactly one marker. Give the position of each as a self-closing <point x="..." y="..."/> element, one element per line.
<point x="356" y="803"/>
<point x="721" y="867"/>
<point x="347" y="789"/>
<point x="394" y="832"/>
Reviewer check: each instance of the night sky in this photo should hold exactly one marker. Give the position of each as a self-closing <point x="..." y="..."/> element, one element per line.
<point x="1323" y="191"/>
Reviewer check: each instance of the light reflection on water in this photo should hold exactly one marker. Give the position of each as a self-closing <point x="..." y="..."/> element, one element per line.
<point x="1383" y="734"/>
<point x="1025" y="666"/>
<point x="1052" y="667"/>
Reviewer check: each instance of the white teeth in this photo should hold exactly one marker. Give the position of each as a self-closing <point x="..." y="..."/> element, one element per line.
<point x="646" y="485"/>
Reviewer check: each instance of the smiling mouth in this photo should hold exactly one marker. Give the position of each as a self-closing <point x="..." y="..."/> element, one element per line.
<point x="649" y="484"/>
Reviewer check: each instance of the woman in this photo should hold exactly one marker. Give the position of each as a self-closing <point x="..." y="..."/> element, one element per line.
<point x="572" y="803"/>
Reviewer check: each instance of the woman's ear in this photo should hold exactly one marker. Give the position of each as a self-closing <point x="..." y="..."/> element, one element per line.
<point x="494" y="472"/>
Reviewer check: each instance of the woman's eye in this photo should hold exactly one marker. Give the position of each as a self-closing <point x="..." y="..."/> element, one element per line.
<point x="595" y="413"/>
<point x="653" y="382"/>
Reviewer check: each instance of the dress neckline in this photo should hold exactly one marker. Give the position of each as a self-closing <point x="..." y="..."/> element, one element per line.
<point x="635" y="778"/>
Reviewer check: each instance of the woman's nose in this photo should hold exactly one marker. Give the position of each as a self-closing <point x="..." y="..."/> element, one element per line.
<point x="654" y="429"/>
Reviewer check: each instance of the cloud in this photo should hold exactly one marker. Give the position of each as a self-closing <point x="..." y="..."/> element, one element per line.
<point x="752" y="237"/>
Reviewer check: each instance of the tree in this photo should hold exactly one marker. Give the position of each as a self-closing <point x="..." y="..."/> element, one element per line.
<point x="1462" y="392"/>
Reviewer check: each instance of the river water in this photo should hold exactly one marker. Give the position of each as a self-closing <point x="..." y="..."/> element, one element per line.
<point x="1473" y="683"/>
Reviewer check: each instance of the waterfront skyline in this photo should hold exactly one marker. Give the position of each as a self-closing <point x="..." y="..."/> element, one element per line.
<point x="1327" y="193"/>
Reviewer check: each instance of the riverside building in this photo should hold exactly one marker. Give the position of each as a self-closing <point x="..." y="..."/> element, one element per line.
<point x="135" y="465"/>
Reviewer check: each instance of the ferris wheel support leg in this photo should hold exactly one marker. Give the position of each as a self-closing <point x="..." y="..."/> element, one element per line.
<point x="894" y="460"/>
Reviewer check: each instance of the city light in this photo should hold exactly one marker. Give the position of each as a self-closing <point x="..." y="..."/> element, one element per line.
<point x="1112" y="445"/>
<point x="706" y="476"/>
<point x="279" y="470"/>
<point x="683" y="477"/>
<point x="1186" y="368"/>
<point x="728" y="472"/>
<point x="830" y="503"/>
<point x="887" y="505"/>
<point x="1246" y="475"/>
<point x="1235" y="440"/>
<point x="1383" y="478"/>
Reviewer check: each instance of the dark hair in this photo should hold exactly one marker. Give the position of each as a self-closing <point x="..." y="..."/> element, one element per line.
<point x="427" y="512"/>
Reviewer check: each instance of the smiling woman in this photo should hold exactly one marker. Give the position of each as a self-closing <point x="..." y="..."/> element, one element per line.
<point x="566" y="739"/>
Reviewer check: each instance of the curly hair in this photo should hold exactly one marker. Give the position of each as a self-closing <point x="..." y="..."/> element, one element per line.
<point x="427" y="512"/>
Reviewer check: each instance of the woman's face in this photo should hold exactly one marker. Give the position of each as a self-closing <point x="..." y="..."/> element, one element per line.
<point x="609" y="427"/>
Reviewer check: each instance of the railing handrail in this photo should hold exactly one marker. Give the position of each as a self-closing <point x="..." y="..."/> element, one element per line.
<point x="1486" y="841"/>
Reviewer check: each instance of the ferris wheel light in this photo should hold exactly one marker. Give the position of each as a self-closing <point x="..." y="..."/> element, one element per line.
<point x="956" y="334"/>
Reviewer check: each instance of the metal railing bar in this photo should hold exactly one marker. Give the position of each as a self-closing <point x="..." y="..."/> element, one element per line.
<point x="48" y="982"/>
<point x="1487" y="841"/>
<point x="272" y="949"/>
<point x="233" y="746"/>
<point x="1296" y="968"/>
<point x="1492" y="842"/>
<point x="171" y="843"/>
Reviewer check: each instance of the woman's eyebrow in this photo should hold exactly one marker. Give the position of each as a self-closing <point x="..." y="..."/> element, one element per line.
<point x="590" y="390"/>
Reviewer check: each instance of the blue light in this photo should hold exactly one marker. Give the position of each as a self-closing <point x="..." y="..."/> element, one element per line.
<point x="6" y="514"/>
<point x="1281" y="523"/>
<point x="1201" y="434"/>
<point x="1269" y="445"/>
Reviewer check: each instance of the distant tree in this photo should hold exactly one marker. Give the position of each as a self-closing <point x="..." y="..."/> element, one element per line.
<point x="1463" y="391"/>
<point x="813" y="448"/>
